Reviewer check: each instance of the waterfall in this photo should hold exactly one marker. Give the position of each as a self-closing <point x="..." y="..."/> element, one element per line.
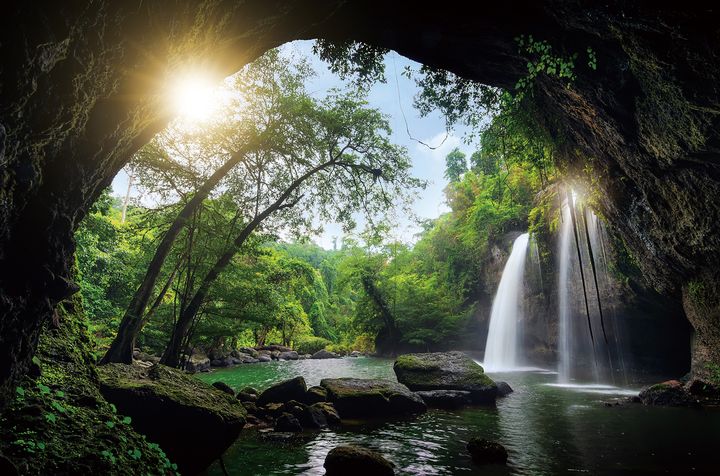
<point x="580" y="308"/>
<point x="563" y="297"/>
<point x="501" y="347"/>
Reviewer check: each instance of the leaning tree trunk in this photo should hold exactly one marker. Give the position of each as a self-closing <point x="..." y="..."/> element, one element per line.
<point x="173" y="351"/>
<point x="121" y="348"/>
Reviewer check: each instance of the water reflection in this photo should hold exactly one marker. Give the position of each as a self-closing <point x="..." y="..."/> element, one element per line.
<point x="547" y="429"/>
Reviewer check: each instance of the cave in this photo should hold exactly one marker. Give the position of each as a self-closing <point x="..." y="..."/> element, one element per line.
<point x="82" y="89"/>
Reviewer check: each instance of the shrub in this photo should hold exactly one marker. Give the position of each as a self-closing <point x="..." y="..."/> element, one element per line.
<point x="310" y="345"/>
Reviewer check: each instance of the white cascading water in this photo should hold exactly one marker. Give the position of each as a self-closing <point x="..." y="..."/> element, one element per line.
<point x="564" y="345"/>
<point x="501" y="347"/>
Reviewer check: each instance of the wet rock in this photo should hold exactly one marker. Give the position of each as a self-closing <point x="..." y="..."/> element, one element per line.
<point x="165" y="402"/>
<point x="218" y="363"/>
<point x="504" y="389"/>
<point x="222" y="386"/>
<point x="293" y="389"/>
<point x="249" y="351"/>
<point x="485" y="451"/>
<point x="366" y="398"/>
<point x="445" y="371"/>
<point x="330" y="412"/>
<point x="290" y="355"/>
<point x="272" y="410"/>
<point x="287" y="423"/>
<point x="324" y="354"/>
<point x="251" y="390"/>
<point x="670" y="393"/>
<point x="315" y="394"/>
<point x="356" y="461"/>
<point x="251" y="407"/>
<point x="264" y="358"/>
<point x="197" y="363"/>
<point x="355" y="353"/>
<point x="445" y="398"/>
<point x="274" y="354"/>
<point x="246" y="397"/>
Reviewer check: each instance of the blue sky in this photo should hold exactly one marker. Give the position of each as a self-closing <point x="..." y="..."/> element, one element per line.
<point x="390" y="97"/>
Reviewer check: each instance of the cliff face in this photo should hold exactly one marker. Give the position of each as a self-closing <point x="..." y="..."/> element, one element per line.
<point x="82" y="89"/>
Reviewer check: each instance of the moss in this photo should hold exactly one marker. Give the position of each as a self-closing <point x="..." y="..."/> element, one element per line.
<point x="59" y="423"/>
<point x="171" y="384"/>
<point x="441" y="370"/>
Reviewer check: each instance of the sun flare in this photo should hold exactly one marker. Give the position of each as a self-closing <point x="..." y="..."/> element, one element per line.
<point x="195" y="98"/>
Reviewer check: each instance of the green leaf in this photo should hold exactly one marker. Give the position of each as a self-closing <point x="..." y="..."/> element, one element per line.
<point x="127" y="420"/>
<point x="110" y="424"/>
<point x="50" y="417"/>
<point x="20" y="391"/>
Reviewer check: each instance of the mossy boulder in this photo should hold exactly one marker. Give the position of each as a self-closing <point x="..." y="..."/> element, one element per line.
<point x="168" y="405"/>
<point x="283" y="392"/>
<point x="445" y="371"/>
<point x="315" y="395"/>
<point x="368" y="398"/>
<point x="59" y="423"/>
<point x="350" y="460"/>
<point x="670" y="393"/>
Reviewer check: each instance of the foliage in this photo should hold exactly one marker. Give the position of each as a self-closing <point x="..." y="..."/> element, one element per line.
<point x="310" y="345"/>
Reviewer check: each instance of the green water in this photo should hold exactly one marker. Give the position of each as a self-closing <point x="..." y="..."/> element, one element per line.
<point x="547" y="430"/>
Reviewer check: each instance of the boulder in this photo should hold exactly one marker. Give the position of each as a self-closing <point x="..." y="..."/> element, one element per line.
<point x="504" y="389"/>
<point x="670" y="393"/>
<point x="197" y="363"/>
<point x="305" y="356"/>
<point x="309" y="417"/>
<point x="222" y="386"/>
<point x="246" y="397"/>
<point x="324" y="354"/>
<point x="293" y="389"/>
<point x="330" y="412"/>
<point x="355" y="353"/>
<point x="352" y="460"/>
<point x="290" y="355"/>
<point x="164" y="402"/>
<point x="485" y="451"/>
<point x="287" y="423"/>
<point x="315" y="394"/>
<point x="445" y="398"/>
<point x="264" y="358"/>
<point x="274" y="354"/>
<point x="249" y="351"/>
<point x="366" y="398"/>
<point x="445" y="371"/>
<point x="251" y="390"/>
<point x="218" y="363"/>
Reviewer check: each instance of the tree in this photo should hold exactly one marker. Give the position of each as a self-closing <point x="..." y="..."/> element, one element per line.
<point x="334" y="159"/>
<point x="455" y="165"/>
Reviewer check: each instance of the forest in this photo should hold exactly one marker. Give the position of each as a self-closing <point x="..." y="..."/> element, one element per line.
<point x="326" y="238"/>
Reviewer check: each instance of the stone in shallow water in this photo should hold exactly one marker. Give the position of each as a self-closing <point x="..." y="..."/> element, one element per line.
<point x="352" y="460"/>
<point x="445" y="371"/>
<point x="293" y="389"/>
<point x="486" y="452"/>
<point x="324" y="354"/>
<point x="223" y="387"/>
<point x="315" y="395"/>
<point x="368" y="398"/>
<point x="287" y="423"/>
<point x="445" y="398"/>
<point x="504" y="389"/>
<point x="670" y="393"/>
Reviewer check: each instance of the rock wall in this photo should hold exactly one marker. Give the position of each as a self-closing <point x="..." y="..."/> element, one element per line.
<point x="83" y="87"/>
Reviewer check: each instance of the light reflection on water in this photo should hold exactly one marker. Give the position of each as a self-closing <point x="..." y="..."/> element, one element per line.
<point x="547" y="429"/>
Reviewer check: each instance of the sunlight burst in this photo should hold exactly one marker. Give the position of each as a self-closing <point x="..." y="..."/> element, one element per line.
<point x="195" y="98"/>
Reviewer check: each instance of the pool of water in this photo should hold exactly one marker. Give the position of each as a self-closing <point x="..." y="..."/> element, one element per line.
<point x="547" y="429"/>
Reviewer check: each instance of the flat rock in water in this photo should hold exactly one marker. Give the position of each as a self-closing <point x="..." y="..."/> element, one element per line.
<point x="324" y="354"/>
<point x="445" y="398"/>
<point x="671" y="393"/>
<point x="164" y="403"/>
<point x="352" y="460"/>
<point x="445" y="371"/>
<point x="293" y="389"/>
<point x="368" y="398"/>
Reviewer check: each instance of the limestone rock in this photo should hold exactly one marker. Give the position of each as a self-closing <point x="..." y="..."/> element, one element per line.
<point x="293" y="389"/>
<point x="364" y="398"/>
<point x="445" y="371"/>
<point x="165" y="402"/>
<point x="353" y="460"/>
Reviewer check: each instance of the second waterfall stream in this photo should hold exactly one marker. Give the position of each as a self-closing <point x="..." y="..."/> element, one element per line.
<point x="501" y="349"/>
